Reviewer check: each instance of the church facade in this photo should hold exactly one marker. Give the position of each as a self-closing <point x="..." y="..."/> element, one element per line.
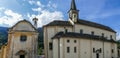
<point x="78" y="38"/>
<point x="22" y="41"/>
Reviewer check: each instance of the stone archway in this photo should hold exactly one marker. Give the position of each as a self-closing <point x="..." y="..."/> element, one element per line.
<point x="21" y="53"/>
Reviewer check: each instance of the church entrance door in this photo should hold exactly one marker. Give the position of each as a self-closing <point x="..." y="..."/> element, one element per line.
<point x="22" y="56"/>
<point x="97" y="55"/>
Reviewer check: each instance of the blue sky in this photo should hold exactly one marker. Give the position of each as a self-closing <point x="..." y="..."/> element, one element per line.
<point x="106" y="12"/>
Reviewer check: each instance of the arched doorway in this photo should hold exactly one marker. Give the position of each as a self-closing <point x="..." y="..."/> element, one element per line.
<point x="22" y="56"/>
<point x="21" y="53"/>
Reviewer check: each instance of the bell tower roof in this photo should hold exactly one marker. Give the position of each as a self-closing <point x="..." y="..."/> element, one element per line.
<point x="73" y="5"/>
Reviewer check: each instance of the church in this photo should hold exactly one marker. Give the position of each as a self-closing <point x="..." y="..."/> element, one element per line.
<point x="22" y="41"/>
<point x="78" y="38"/>
<point x="75" y="38"/>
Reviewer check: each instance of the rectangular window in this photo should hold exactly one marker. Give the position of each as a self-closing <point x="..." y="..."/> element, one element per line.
<point x="66" y="30"/>
<point x="68" y="49"/>
<point x="92" y="33"/>
<point x="111" y="37"/>
<point x="100" y="50"/>
<point x="68" y="41"/>
<point x="102" y="34"/>
<point x="93" y="50"/>
<point x="75" y="41"/>
<point x="50" y="46"/>
<point x="23" y="38"/>
<point x="75" y="50"/>
<point x="81" y="31"/>
<point x="112" y="51"/>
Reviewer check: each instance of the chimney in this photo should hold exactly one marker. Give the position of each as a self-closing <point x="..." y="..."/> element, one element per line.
<point x="35" y="22"/>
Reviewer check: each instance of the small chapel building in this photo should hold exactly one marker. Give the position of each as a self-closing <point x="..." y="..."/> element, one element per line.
<point x="22" y="41"/>
<point x="78" y="38"/>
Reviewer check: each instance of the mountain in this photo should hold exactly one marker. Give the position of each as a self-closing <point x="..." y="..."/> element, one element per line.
<point x="40" y="38"/>
<point x="3" y="35"/>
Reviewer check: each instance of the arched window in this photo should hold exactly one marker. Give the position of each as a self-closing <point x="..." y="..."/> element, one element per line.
<point x="23" y="38"/>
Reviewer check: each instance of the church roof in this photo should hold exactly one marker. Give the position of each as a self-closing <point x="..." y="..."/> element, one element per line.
<point x="78" y="35"/>
<point x="59" y="23"/>
<point x="82" y="22"/>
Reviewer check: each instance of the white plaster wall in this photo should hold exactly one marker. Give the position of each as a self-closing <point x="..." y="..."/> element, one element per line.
<point x="116" y="51"/>
<point x="60" y="46"/>
<point x="63" y="29"/>
<point x="84" y="48"/>
<point x="71" y="44"/>
<point x="97" y="31"/>
<point x="107" y="50"/>
<point x="50" y="33"/>
<point x="55" y="48"/>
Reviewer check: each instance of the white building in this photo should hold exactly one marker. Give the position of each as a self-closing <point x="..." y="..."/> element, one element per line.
<point x="79" y="38"/>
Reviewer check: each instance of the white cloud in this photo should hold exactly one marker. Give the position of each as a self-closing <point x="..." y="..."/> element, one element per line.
<point x="117" y="34"/>
<point x="37" y="9"/>
<point x="51" y="5"/>
<point x="10" y="18"/>
<point x="39" y="4"/>
<point x="46" y="16"/>
<point x="31" y="2"/>
<point x="2" y="8"/>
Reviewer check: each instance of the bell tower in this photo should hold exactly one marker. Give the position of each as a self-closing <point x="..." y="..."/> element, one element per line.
<point x="35" y="22"/>
<point x="73" y="12"/>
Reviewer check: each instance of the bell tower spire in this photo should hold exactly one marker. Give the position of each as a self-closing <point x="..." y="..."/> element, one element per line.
<point x="73" y="6"/>
<point x="73" y="12"/>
